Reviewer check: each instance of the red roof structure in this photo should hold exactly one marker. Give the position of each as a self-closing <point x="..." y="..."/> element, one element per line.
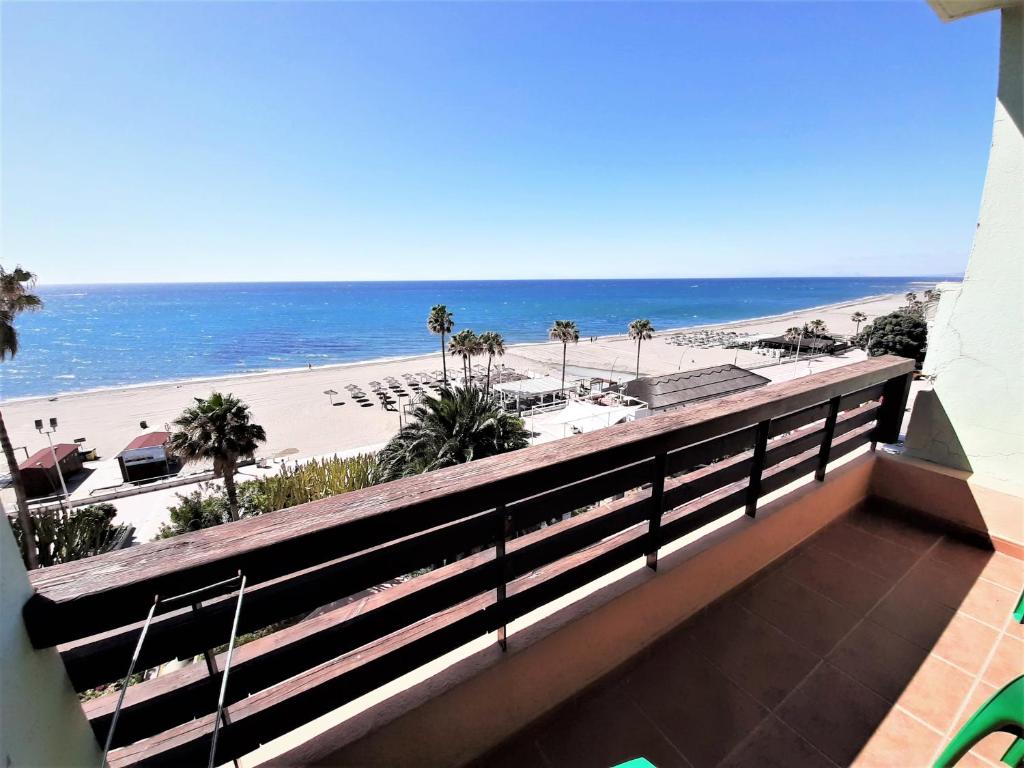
<point x="148" y="440"/>
<point x="44" y="458"/>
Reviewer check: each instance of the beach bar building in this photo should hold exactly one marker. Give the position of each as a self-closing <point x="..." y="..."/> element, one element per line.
<point x="675" y="390"/>
<point x="145" y="457"/>
<point x="530" y="392"/>
<point x="806" y="345"/>
<point x="39" y="472"/>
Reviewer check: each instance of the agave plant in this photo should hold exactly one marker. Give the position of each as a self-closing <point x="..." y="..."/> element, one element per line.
<point x="65" y="535"/>
<point x="460" y="425"/>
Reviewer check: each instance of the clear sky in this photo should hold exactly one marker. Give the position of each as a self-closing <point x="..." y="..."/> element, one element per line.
<point x="349" y="141"/>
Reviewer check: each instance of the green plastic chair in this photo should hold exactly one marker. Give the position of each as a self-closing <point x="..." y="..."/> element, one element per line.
<point x="1003" y="712"/>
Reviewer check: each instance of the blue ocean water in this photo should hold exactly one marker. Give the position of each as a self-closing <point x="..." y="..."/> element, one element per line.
<point x="93" y="336"/>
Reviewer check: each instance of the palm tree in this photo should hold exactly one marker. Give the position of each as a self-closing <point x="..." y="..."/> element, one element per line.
<point x="460" y="425"/>
<point x="564" y="331"/>
<point x="465" y="344"/>
<point x="494" y="346"/>
<point x="794" y="333"/>
<point x="16" y="297"/>
<point x="911" y="298"/>
<point x="858" y="317"/>
<point x="218" y="429"/>
<point x="440" y="321"/>
<point x="817" y="327"/>
<point x="641" y="330"/>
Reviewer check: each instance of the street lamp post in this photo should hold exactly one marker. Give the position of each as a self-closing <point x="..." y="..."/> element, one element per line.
<point x="53" y="453"/>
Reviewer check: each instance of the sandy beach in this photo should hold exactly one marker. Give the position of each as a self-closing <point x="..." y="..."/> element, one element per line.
<point x="299" y="419"/>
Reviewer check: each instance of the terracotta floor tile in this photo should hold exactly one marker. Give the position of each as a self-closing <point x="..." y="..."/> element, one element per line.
<point x="753" y="654"/>
<point x="969" y="559"/>
<point x="834" y="713"/>
<point x="913" y="615"/>
<point x="879" y="556"/>
<point x="878" y="658"/>
<point x="992" y="747"/>
<point x="775" y="745"/>
<point x="603" y="730"/>
<point x="990" y="603"/>
<point x="941" y="582"/>
<point x="834" y="577"/>
<point x="889" y="526"/>
<point x="966" y="643"/>
<point x="1005" y="571"/>
<point x="900" y="742"/>
<point x="936" y="693"/>
<point x="1007" y="663"/>
<point x="804" y="615"/>
<point x="698" y="709"/>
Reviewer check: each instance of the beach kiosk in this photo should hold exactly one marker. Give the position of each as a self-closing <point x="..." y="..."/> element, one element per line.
<point x="39" y="473"/>
<point x="676" y="390"/>
<point x="145" y="457"/>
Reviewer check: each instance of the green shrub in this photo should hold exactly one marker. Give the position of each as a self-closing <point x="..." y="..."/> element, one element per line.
<point x="66" y="535"/>
<point x="899" y="333"/>
<point x="207" y="506"/>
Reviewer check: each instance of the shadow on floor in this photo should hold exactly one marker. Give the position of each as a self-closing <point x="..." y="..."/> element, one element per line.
<point x="870" y="644"/>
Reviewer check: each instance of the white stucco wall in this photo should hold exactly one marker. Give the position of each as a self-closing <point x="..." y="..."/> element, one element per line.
<point x="974" y="417"/>
<point x="41" y="721"/>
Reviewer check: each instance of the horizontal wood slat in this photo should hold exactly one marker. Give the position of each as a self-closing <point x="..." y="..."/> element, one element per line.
<point x="78" y="599"/>
<point x="187" y="633"/>
<point x="287" y="678"/>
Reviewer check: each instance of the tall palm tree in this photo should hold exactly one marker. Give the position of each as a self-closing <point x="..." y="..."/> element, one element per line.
<point x="858" y="317"/>
<point x="641" y="330"/>
<point x="793" y="333"/>
<point x="16" y="297"/>
<point x="465" y="344"/>
<point x="441" y="321"/>
<point x="460" y="425"/>
<point x="564" y="331"/>
<point x="220" y="429"/>
<point x="817" y="327"/>
<point x="494" y="346"/>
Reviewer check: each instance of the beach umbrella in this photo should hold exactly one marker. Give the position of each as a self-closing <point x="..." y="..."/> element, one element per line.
<point x="330" y="393"/>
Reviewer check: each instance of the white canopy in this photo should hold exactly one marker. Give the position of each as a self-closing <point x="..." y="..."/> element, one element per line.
<point x="577" y="417"/>
<point x="542" y="385"/>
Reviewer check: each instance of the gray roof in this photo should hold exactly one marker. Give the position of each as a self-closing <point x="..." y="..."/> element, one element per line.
<point x="686" y="387"/>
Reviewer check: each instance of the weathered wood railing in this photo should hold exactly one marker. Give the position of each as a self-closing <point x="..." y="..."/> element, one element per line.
<point x="669" y="475"/>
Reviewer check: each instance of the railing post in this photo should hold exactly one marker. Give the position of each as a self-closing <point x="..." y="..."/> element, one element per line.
<point x="757" y="466"/>
<point x="826" y="439"/>
<point x="657" y="507"/>
<point x="890" y="413"/>
<point x="504" y="524"/>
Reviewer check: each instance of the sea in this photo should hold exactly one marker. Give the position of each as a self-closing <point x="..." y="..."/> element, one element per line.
<point x="97" y="336"/>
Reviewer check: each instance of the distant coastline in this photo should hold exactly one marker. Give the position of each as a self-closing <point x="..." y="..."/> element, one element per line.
<point x="228" y="376"/>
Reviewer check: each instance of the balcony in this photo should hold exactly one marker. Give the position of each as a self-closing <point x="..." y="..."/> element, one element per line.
<point x="689" y="587"/>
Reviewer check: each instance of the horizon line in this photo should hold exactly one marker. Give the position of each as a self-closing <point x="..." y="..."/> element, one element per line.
<point x="952" y="275"/>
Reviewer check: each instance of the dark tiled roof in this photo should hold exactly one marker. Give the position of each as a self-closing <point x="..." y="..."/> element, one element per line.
<point x="687" y="387"/>
<point x="807" y="342"/>
<point x="44" y="458"/>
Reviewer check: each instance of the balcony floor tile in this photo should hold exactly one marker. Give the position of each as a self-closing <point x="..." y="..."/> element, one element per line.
<point x="835" y="656"/>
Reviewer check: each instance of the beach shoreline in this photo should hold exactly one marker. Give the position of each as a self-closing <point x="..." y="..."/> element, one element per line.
<point x="228" y="377"/>
<point x="301" y="420"/>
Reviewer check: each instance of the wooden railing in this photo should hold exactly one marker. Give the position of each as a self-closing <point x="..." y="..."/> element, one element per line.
<point x="658" y="479"/>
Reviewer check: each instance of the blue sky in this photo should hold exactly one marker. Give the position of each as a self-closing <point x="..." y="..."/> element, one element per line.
<point x="348" y="141"/>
